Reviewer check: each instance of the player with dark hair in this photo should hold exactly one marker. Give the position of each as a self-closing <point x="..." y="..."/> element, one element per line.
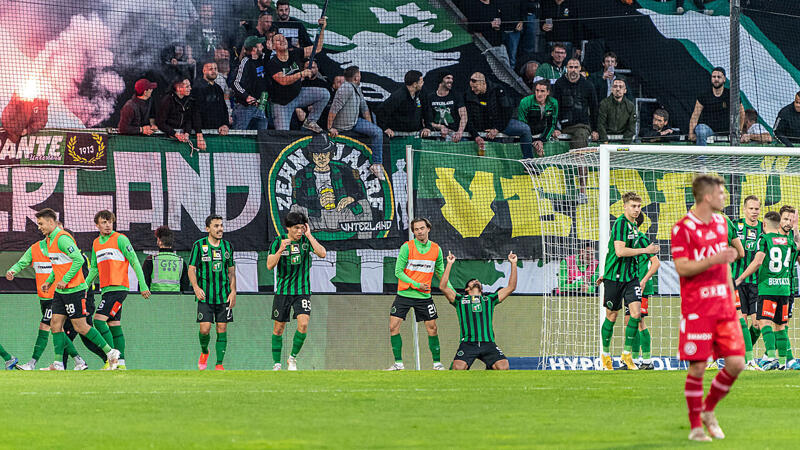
<point x="647" y="266"/>
<point x="708" y="316"/>
<point x="112" y="254"/>
<point x="165" y="271"/>
<point x="212" y="274"/>
<point x="69" y="299"/>
<point x="291" y="254"/>
<point x="475" y="312"/>
<point x="417" y="262"/>
<point x="789" y="227"/>
<point x="620" y="279"/>
<point x="748" y="230"/>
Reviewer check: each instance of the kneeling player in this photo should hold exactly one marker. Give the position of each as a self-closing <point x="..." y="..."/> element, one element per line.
<point x="212" y="274"/>
<point x="475" y="312"/>
<point x="708" y="316"/>
<point x="291" y="253"/>
<point x="774" y="287"/>
<point x="620" y="280"/>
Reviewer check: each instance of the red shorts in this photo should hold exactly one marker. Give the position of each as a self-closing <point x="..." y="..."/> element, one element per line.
<point x="703" y="337"/>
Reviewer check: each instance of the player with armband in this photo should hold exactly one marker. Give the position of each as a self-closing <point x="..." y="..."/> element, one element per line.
<point x="708" y="323"/>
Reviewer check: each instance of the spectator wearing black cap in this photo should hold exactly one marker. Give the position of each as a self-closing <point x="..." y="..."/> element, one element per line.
<point x="711" y="110"/>
<point x="403" y="110"/>
<point x="787" y="125"/>
<point x="445" y="111"/>
<point x="250" y="87"/>
<point x="177" y="111"/>
<point x="488" y="110"/>
<point x="292" y="29"/>
<point x="210" y="100"/>
<point x="138" y="115"/>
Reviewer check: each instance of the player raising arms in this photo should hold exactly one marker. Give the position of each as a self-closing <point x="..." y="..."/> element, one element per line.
<point x="291" y="253"/>
<point x="69" y="299"/>
<point x="647" y="266"/>
<point x="112" y="254"/>
<point x="621" y="281"/>
<point x="417" y="262"/>
<point x="748" y="229"/>
<point x="475" y="312"/>
<point x="212" y="274"/>
<point x="708" y="315"/>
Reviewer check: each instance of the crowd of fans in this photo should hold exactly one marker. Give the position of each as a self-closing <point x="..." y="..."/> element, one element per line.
<point x="258" y="77"/>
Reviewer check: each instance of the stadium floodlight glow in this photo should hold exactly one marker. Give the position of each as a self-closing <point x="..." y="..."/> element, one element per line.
<point x="26" y="113"/>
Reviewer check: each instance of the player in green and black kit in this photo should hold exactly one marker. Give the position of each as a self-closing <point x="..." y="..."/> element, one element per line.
<point x="789" y="227"/>
<point x="774" y="286"/>
<point x="748" y="229"/>
<point x="475" y="312"/>
<point x="620" y="279"/>
<point x="212" y="274"/>
<point x="291" y="254"/>
<point x="647" y="266"/>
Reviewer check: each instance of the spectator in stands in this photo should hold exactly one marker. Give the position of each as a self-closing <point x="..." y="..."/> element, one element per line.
<point x="699" y="4"/>
<point x="555" y="68"/>
<point x="488" y="111"/>
<point x="752" y="131"/>
<point x="177" y="111"/>
<point x="787" y="125"/>
<point x="264" y="28"/>
<point x="602" y="80"/>
<point x="210" y="101"/>
<point x="316" y="81"/>
<point x="560" y="25"/>
<point x="348" y="104"/>
<point x="250" y="86"/>
<point x="445" y="110"/>
<point x="248" y="16"/>
<point x="616" y="114"/>
<point x="483" y="16"/>
<point x="711" y="110"/>
<point x="207" y="35"/>
<point x="336" y="83"/>
<point x="578" y="273"/>
<point x="403" y="110"/>
<point x="660" y="131"/>
<point x="165" y="271"/>
<point x="177" y="62"/>
<point x="512" y="14"/>
<point x="284" y="69"/>
<point x="577" y="106"/>
<point x="292" y="29"/>
<point x="528" y="73"/>
<point x="223" y="74"/>
<point x="539" y="111"/>
<point x="530" y="31"/>
<point x="138" y="115"/>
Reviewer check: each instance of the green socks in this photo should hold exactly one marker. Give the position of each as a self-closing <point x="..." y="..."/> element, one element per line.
<point x="780" y="342"/>
<point x="277" y="346"/>
<point x="41" y="344"/>
<point x="58" y="344"/>
<point x="97" y="339"/>
<point x="397" y="348"/>
<point x="119" y="339"/>
<point x="4" y="354"/>
<point x="433" y="344"/>
<point x="105" y="331"/>
<point x="748" y="341"/>
<point x="769" y="340"/>
<point x="221" y="346"/>
<point x="645" y="339"/>
<point x="204" y="340"/>
<point x="630" y="331"/>
<point x="606" y="332"/>
<point x="70" y="348"/>
<point x="636" y="345"/>
<point x="789" y="355"/>
<point x="297" y="342"/>
<point x="754" y="334"/>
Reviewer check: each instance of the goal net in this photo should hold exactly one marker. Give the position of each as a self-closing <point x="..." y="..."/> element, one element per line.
<point x="584" y="190"/>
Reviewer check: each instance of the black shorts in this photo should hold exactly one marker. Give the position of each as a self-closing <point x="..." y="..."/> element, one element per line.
<point x="47" y="311"/>
<point x="424" y="309"/>
<point x="642" y="310"/>
<point x="747" y="298"/>
<point x="71" y="305"/>
<point x="791" y="306"/>
<point x="111" y="304"/>
<point x="282" y="304"/>
<point x="774" y="308"/>
<point x="488" y="352"/>
<point x="616" y="291"/>
<point x="214" y="313"/>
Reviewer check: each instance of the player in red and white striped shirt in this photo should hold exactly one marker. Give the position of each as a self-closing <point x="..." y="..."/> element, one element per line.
<point x="708" y="315"/>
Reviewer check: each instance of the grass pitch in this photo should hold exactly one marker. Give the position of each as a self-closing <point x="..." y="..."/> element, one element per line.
<point x="481" y="409"/>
